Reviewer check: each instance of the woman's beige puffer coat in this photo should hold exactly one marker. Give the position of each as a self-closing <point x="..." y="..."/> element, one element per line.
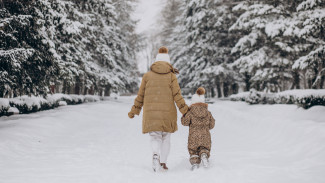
<point x="157" y="95"/>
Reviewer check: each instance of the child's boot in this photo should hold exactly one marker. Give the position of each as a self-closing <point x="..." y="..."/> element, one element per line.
<point x="155" y="162"/>
<point x="195" y="162"/>
<point x="205" y="160"/>
<point x="163" y="166"/>
<point x="195" y="166"/>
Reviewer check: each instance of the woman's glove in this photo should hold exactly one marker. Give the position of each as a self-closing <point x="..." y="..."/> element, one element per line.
<point x="131" y="115"/>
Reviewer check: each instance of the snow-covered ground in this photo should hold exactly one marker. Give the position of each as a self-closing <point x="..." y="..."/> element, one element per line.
<point x="97" y="142"/>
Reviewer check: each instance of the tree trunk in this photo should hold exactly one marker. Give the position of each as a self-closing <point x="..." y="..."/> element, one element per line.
<point x="64" y="88"/>
<point x="226" y="90"/>
<point x="2" y="94"/>
<point x="91" y="91"/>
<point x="219" y="90"/>
<point x="246" y="80"/>
<point x="70" y="90"/>
<point x="314" y="85"/>
<point x="322" y="80"/>
<point x="304" y="78"/>
<point x="222" y="90"/>
<point x="77" y="88"/>
<point x="234" y="88"/>
<point x="107" y="91"/>
<point x="86" y="91"/>
<point x="296" y="80"/>
<point x="213" y="94"/>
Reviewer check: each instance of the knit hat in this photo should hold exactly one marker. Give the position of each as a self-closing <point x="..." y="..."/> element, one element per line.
<point x="163" y="55"/>
<point x="199" y="96"/>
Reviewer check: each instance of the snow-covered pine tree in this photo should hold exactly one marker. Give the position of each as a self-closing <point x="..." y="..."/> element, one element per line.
<point x="61" y="30"/>
<point x="300" y="38"/>
<point x="203" y="44"/>
<point x="169" y="20"/>
<point x="89" y="43"/>
<point x="310" y="28"/>
<point x="25" y="64"/>
<point x="176" y="39"/>
<point x="112" y="45"/>
<point x="260" y="64"/>
<point x="102" y="68"/>
<point x="128" y="42"/>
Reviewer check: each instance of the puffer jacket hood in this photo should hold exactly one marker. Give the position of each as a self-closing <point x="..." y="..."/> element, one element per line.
<point x="199" y="110"/>
<point x="162" y="67"/>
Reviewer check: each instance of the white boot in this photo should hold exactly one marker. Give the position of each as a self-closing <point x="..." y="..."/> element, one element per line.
<point x="205" y="160"/>
<point x="194" y="161"/>
<point x="155" y="162"/>
<point x="195" y="166"/>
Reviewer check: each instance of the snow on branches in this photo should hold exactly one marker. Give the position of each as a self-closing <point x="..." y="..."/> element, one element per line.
<point x="79" y="47"/>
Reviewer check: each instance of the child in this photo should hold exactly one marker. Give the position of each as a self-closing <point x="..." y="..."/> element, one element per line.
<point x="200" y="121"/>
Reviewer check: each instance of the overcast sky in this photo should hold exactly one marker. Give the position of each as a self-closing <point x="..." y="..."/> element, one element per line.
<point x="147" y="12"/>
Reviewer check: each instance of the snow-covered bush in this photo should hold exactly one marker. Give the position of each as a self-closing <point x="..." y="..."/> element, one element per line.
<point x="69" y="99"/>
<point x="114" y="95"/>
<point x="63" y="103"/>
<point x="308" y="102"/>
<point x="4" y="106"/>
<point x="75" y="99"/>
<point x="72" y="99"/>
<point x="26" y="104"/>
<point x="302" y="98"/>
<point x="239" y="96"/>
<point x="13" y="110"/>
<point x="254" y="97"/>
<point x="91" y="98"/>
<point x="54" y="99"/>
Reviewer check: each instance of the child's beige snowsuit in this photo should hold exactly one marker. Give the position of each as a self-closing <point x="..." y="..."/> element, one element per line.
<point x="200" y="122"/>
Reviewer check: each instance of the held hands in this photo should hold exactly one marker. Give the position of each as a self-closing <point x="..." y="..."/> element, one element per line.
<point x="186" y="112"/>
<point x="131" y="115"/>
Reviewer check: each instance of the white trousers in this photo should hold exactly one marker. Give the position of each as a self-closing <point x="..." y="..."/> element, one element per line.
<point x="160" y="143"/>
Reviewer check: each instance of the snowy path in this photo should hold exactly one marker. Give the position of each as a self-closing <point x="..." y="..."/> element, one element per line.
<point x="96" y="143"/>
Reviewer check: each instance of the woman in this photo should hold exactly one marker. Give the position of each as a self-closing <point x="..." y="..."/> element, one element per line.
<point x="159" y="90"/>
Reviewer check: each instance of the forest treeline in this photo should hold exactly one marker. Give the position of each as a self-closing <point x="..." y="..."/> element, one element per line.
<point x="232" y="45"/>
<point x="227" y="46"/>
<point x="67" y="46"/>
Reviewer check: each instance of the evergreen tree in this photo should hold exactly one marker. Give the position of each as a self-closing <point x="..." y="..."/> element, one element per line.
<point x="83" y="47"/>
<point x="168" y="21"/>
<point x="25" y="64"/>
<point x="310" y="28"/>
<point x="300" y="38"/>
<point x="204" y="53"/>
<point x="260" y="64"/>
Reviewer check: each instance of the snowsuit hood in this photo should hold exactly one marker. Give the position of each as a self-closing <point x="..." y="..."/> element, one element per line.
<point x="162" y="67"/>
<point x="199" y="110"/>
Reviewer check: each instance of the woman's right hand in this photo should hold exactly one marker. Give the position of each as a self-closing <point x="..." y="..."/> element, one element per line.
<point x="131" y="115"/>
